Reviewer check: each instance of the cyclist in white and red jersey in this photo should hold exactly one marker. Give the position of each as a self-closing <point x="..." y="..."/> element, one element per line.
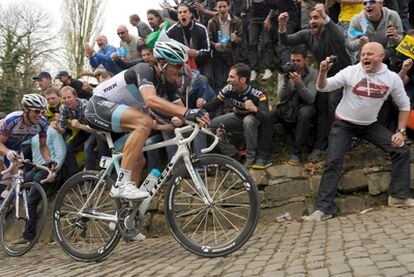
<point x="19" y="126"/>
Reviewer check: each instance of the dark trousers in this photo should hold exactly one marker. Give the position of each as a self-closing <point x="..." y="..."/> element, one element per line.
<point x="339" y="141"/>
<point x="90" y="154"/>
<point x="326" y="103"/>
<point x="302" y="125"/>
<point x="257" y="134"/>
<point x="33" y="198"/>
<point x="255" y="29"/>
<point x="222" y="64"/>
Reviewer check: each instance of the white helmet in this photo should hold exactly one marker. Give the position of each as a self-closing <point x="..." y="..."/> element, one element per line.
<point x="170" y="51"/>
<point x="34" y="101"/>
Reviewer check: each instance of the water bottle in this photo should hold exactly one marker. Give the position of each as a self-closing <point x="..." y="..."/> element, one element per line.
<point x="219" y="36"/>
<point x="151" y="179"/>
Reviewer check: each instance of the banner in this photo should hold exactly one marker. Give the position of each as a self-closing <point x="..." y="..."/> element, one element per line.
<point x="406" y="46"/>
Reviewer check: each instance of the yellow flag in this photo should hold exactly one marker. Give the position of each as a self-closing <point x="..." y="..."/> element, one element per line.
<point x="406" y="46"/>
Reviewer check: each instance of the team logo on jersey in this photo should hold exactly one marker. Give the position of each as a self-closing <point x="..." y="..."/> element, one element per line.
<point x="372" y="90"/>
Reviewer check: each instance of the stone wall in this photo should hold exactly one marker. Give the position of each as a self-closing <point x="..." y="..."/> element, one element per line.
<point x="284" y="188"/>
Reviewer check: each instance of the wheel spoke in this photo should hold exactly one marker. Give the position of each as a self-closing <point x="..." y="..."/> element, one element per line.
<point x="198" y="227"/>
<point x="221" y="183"/>
<point x="230" y="196"/>
<point x="191" y="219"/>
<point x="221" y="226"/>
<point x="231" y="223"/>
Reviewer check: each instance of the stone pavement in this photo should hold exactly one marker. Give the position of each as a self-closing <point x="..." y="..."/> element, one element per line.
<point x="378" y="243"/>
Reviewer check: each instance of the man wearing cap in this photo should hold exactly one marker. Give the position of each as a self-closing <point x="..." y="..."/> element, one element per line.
<point x="44" y="80"/>
<point x="67" y="80"/>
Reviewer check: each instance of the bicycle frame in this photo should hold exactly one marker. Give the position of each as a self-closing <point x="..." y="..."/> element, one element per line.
<point x="182" y="152"/>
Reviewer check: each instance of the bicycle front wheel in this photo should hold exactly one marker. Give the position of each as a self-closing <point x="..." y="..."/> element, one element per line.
<point x="219" y="228"/>
<point x="22" y="217"/>
<point x="86" y="235"/>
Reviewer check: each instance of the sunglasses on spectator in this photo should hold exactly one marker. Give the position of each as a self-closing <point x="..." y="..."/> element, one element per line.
<point x="121" y="33"/>
<point x="37" y="111"/>
<point x="370" y="2"/>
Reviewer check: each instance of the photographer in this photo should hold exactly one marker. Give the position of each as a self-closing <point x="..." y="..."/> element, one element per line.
<point x="323" y="39"/>
<point x="296" y="95"/>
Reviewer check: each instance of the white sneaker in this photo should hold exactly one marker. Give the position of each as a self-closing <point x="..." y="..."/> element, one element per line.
<point x="128" y="191"/>
<point x="316" y="216"/>
<point x="139" y="237"/>
<point x="253" y="75"/>
<point x="267" y="74"/>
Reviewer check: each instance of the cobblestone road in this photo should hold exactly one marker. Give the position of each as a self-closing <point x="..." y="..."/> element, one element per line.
<point x="379" y="243"/>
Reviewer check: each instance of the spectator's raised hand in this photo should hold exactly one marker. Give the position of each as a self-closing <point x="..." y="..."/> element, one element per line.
<point x="267" y="24"/>
<point x="88" y="50"/>
<point x="363" y="40"/>
<point x="407" y="64"/>
<point x="250" y="106"/>
<point x="391" y="32"/>
<point x="325" y="65"/>
<point x="283" y="19"/>
<point x="192" y="53"/>
<point x="320" y="8"/>
<point x="200" y="103"/>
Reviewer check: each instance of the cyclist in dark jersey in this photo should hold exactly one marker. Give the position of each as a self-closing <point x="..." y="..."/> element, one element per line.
<point x="116" y="106"/>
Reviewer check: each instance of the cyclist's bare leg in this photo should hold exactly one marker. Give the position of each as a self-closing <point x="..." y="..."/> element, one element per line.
<point x="140" y="125"/>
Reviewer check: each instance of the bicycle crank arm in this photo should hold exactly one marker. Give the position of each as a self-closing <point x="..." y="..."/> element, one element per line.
<point x="104" y="217"/>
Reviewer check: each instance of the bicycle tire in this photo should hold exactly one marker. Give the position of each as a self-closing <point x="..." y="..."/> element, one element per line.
<point x="64" y="218"/>
<point x="7" y="228"/>
<point x="180" y="193"/>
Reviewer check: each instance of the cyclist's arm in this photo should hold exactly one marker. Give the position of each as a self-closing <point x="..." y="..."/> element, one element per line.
<point x="44" y="150"/>
<point x="160" y="105"/>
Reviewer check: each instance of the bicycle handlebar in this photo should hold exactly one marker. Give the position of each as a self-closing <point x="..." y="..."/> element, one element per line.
<point x="49" y="178"/>
<point x="192" y="126"/>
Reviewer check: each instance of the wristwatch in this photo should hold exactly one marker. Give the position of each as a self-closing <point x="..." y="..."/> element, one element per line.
<point x="402" y="131"/>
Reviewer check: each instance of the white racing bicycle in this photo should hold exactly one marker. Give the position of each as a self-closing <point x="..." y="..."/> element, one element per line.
<point x="17" y="208"/>
<point x="211" y="204"/>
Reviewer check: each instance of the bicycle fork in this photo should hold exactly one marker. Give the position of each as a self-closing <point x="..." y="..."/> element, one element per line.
<point x="195" y="176"/>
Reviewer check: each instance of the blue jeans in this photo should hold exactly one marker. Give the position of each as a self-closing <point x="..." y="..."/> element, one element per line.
<point x="340" y="138"/>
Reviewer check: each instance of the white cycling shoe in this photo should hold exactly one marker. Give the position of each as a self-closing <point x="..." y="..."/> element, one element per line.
<point x="128" y="191"/>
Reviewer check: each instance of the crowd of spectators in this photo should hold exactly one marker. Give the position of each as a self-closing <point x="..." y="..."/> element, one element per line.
<point x="230" y="42"/>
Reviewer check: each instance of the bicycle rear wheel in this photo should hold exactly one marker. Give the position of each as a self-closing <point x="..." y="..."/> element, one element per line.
<point x="224" y="226"/>
<point x="14" y="219"/>
<point x="84" y="238"/>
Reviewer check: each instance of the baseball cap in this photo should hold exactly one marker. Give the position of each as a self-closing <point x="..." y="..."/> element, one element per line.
<point x="62" y="73"/>
<point x="42" y="74"/>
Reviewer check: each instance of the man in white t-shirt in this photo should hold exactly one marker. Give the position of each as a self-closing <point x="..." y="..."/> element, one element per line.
<point x="366" y="86"/>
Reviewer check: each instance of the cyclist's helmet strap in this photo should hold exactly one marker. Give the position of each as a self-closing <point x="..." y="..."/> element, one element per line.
<point x="34" y="100"/>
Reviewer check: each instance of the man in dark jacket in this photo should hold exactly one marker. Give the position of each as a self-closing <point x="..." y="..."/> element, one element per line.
<point x="195" y="36"/>
<point x="296" y="96"/>
<point x="323" y="39"/>
<point x="67" y="80"/>
<point x="225" y="32"/>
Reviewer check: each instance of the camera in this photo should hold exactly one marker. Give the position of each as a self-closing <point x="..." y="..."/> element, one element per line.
<point x="289" y="67"/>
<point x="333" y="59"/>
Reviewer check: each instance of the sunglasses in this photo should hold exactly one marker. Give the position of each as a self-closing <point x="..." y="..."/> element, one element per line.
<point x="371" y="2"/>
<point x="38" y="111"/>
<point x="121" y="33"/>
<point x="177" y="65"/>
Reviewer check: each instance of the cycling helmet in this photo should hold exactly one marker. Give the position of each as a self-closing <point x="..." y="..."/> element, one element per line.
<point x="34" y="101"/>
<point x="170" y="51"/>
